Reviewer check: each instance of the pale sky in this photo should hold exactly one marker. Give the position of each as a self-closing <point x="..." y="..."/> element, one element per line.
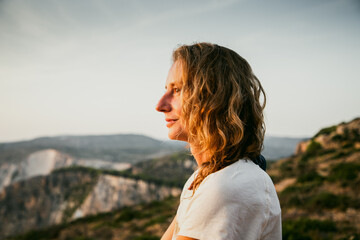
<point x="99" y="67"/>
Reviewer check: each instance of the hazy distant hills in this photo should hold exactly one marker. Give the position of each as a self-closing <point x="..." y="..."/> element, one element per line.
<point x="129" y="148"/>
<point x="115" y="148"/>
<point x="279" y="147"/>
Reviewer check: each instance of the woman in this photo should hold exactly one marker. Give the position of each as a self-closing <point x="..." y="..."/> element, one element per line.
<point x="213" y="102"/>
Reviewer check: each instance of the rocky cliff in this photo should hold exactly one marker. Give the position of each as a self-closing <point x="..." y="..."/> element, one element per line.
<point x="67" y="194"/>
<point x="113" y="192"/>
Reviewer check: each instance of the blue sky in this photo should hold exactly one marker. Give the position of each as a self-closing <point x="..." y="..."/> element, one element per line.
<point x="99" y="67"/>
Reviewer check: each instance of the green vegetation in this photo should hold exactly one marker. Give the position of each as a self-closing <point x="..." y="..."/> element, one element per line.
<point x="298" y="195"/>
<point x="127" y="174"/>
<point x="129" y="213"/>
<point x="325" y="200"/>
<point x="338" y="138"/>
<point x="326" y="131"/>
<point x="287" y="169"/>
<point x="94" y="172"/>
<point x="172" y="170"/>
<point x="42" y="234"/>
<point x="159" y="219"/>
<point x="310" y="176"/>
<point x="341" y="154"/>
<point x="308" y="229"/>
<point x="348" y="136"/>
<point x="344" y="172"/>
<point x="77" y="194"/>
<point x="313" y="148"/>
<point x="306" y="196"/>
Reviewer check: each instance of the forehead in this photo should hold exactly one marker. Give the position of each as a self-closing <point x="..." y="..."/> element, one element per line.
<point x="174" y="76"/>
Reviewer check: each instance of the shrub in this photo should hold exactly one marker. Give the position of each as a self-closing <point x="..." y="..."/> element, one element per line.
<point x="348" y="145"/>
<point x="305" y="188"/>
<point x="304" y="229"/>
<point x="298" y="195"/>
<point x="341" y="154"/>
<point x="128" y="214"/>
<point x="286" y="168"/>
<point x="313" y="148"/>
<point x="356" y="135"/>
<point x="337" y="138"/>
<point x="42" y="234"/>
<point x="344" y="172"/>
<point x="310" y="177"/>
<point x="326" y="131"/>
<point x="159" y="219"/>
<point x="330" y="201"/>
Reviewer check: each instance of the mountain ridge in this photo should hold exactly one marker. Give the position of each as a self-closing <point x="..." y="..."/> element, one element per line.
<point x="116" y="148"/>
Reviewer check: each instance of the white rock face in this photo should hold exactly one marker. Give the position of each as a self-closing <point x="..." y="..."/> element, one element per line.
<point x="45" y="161"/>
<point x="37" y="163"/>
<point x="42" y="163"/>
<point x="7" y="172"/>
<point x="113" y="192"/>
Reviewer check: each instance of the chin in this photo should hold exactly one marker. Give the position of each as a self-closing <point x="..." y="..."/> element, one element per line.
<point x="177" y="135"/>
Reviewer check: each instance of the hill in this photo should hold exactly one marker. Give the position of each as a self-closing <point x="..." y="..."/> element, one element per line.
<point x="319" y="186"/>
<point x="129" y="148"/>
<point x="279" y="147"/>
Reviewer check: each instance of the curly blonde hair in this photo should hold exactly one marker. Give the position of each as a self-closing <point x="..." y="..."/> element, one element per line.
<point x="221" y="106"/>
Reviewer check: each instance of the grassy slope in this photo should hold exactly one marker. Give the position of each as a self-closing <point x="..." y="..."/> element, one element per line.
<point x="319" y="188"/>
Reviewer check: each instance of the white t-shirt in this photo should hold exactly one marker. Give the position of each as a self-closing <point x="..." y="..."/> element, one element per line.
<point x="237" y="202"/>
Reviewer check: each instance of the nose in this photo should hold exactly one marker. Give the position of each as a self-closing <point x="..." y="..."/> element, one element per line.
<point x="164" y="104"/>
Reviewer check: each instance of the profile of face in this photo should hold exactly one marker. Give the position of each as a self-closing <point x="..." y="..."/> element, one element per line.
<point x="171" y="104"/>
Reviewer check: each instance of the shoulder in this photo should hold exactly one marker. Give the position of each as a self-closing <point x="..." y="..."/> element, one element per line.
<point x="243" y="182"/>
<point x="239" y="176"/>
<point x="233" y="202"/>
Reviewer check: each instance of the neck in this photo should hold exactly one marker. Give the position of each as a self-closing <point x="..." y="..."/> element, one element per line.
<point x="199" y="156"/>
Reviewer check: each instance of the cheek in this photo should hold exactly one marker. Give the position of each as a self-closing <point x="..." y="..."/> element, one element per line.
<point x="177" y="105"/>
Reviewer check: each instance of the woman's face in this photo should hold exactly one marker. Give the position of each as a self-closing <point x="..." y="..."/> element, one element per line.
<point x="171" y="104"/>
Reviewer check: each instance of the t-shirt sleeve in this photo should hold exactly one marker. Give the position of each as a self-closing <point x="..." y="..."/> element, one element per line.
<point x="215" y="213"/>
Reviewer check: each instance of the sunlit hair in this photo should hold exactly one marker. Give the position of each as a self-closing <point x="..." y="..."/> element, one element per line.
<point x="221" y="108"/>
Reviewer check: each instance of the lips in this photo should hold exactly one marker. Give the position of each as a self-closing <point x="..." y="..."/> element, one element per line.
<point x="170" y="121"/>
